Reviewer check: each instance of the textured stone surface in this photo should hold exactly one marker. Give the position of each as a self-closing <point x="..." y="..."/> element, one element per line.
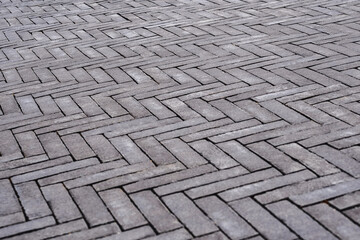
<point x="179" y="119"/>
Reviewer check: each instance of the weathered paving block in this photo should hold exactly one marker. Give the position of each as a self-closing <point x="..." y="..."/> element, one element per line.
<point x="77" y="146"/>
<point x="53" y="231"/>
<point x="129" y="150"/>
<point x="221" y="186"/>
<point x="213" y="154"/>
<point x="53" y="145"/>
<point x="171" y="177"/>
<point x="59" y="199"/>
<point x="331" y="218"/>
<point x="91" y="206"/>
<point x="123" y="210"/>
<point x="241" y="154"/>
<point x="302" y="187"/>
<point x="32" y="200"/>
<point x="261" y="219"/>
<point x="299" y="221"/>
<point x="103" y="148"/>
<point x="26" y="226"/>
<point x="99" y="176"/>
<point x="157" y="153"/>
<point x="155" y="211"/>
<point x="96" y="232"/>
<point x="276" y="157"/>
<point x="326" y="193"/>
<point x="265" y="185"/>
<point x="29" y="144"/>
<point x="8" y="144"/>
<point x="206" y="110"/>
<point x="10" y="203"/>
<point x="189" y="214"/>
<point x="346" y="201"/>
<point x="310" y="160"/>
<point x="67" y="164"/>
<point x="339" y="159"/>
<point x="227" y="220"/>
<point x="200" y="180"/>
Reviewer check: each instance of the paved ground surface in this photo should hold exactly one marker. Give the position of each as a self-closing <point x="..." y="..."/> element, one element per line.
<point x="209" y="119"/>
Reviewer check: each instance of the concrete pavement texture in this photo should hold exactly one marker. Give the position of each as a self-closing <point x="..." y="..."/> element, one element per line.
<point x="180" y="119"/>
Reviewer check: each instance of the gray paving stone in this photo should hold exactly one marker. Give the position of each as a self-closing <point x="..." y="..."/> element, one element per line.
<point x="181" y="234"/>
<point x="200" y="180"/>
<point x="87" y="179"/>
<point x="88" y="106"/>
<point x="318" y="165"/>
<point x="203" y="129"/>
<point x="27" y="105"/>
<point x="189" y="214"/>
<point x="231" y="110"/>
<point x="326" y="193"/>
<point x="331" y="218"/>
<point x="110" y="106"/>
<point x="339" y="159"/>
<point x="53" y="145"/>
<point x="91" y="206"/>
<point x="283" y="111"/>
<point x="214" y="236"/>
<point x="77" y="146"/>
<point x="299" y="221"/>
<point x="227" y="220"/>
<point x="32" y="200"/>
<point x="59" y="199"/>
<point x="203" y="108"/>
<point x="96" y="232"/>
<point x="65" y="164"/>
<point x="53" y="231"/>
<point x="123" y="210"/>
<point x="67" y="106"/>
<point x="265" y="185"/>
<point x="221" y="186"/>
<point x="169" y="178"/>
<point x="10" y="203"/>
<point x="157" y="153"/>
<point x="9" y="145"/>
<point x="241" y="154"/>
<point x="155" y="211"/>
<point x="346" y="201"/>
<point x="103" y="148"/>
<point x="12" y="219"/>
<point x="245" y="132"/>
<point x="261" y="219"/>
<point x="276" y="157"/>
<point x="302" y="187"/>
<point x="134" y="107"/>
<point x="213" y="154"/>
<point x="181" y="109"/>
<point x="129" y="150"/>
<point x="157" y="108"/>
<point x="29" y="144"/>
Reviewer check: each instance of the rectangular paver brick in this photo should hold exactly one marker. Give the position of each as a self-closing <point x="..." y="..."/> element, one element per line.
<point x="91" y="206"/>
<point x="299" y="221"/>
<point x="123" y="210"/>
<point x="227" y="220"/>
<point x="189" y="214"/>
<point x="261" y="219"/>
<point x="59" y="199"/>
<point x="155" y="211"/>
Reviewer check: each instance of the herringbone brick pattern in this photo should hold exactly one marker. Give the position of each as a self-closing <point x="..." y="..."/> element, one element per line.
<point x="180" y="119"/>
